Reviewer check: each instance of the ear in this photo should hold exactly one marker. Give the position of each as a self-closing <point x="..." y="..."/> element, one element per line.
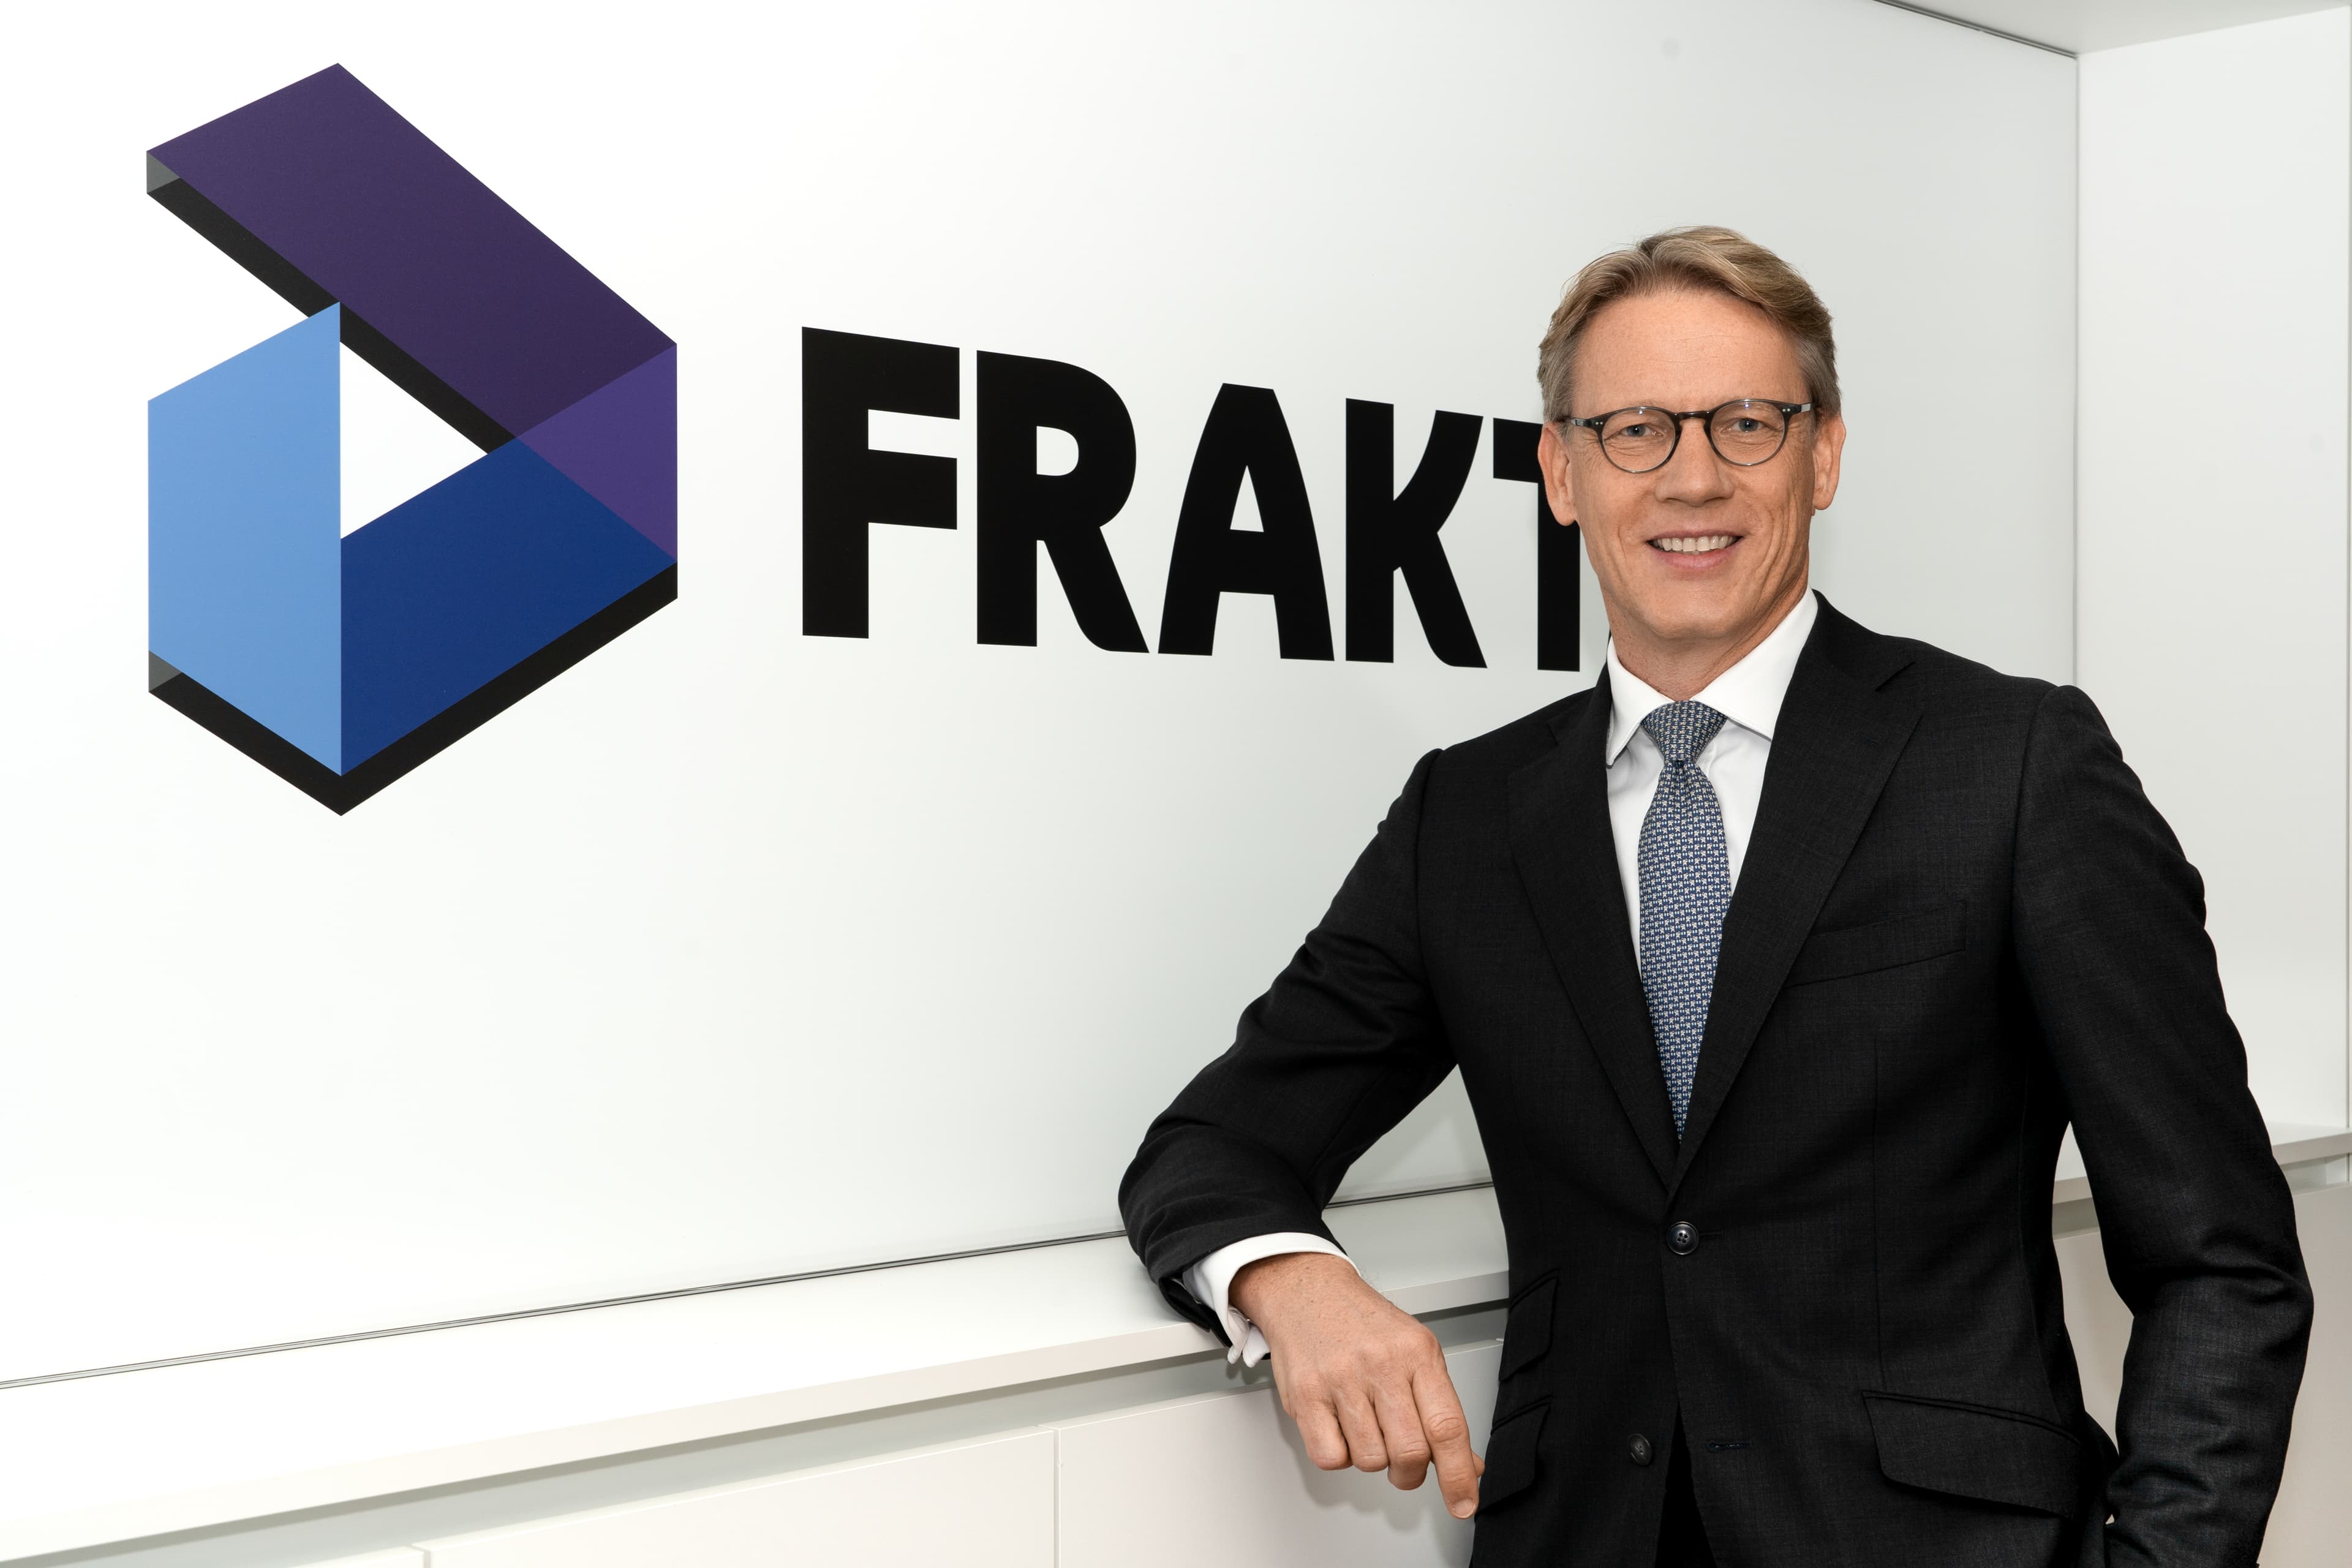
<point x="1829" y="453"/>
<point x="1558" y="474"/>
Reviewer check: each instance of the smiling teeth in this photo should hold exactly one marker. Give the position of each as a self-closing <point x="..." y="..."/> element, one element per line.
<point x="1697" y="546"/>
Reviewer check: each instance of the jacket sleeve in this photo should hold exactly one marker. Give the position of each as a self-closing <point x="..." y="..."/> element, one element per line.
<point x="2195" y="1218"/>
<point x="1344" y="1042"/>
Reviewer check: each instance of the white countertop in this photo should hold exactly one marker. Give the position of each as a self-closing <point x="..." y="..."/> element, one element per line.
<point x="111" y="1458"/>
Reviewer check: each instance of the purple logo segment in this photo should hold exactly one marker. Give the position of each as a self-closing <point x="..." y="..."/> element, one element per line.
<point x="436" y="616"/>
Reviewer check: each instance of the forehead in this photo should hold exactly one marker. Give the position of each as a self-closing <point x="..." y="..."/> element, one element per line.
<point x="1683" y="349"/>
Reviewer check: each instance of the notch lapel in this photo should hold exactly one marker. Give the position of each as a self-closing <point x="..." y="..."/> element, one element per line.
<point x="1568" y="864"/>
<point x="1834" y="746"/>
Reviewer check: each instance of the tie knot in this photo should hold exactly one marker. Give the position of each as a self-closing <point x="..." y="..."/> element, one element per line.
<point x="1682" y="729"/>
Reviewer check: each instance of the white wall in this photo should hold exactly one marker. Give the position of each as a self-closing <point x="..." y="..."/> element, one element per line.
<point x="2216" y="205"/>
<point x="737" y="951"/>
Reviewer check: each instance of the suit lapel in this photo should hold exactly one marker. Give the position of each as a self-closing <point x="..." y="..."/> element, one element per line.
<point x="1568" y="863"/>
<point x="1832" y="750"/>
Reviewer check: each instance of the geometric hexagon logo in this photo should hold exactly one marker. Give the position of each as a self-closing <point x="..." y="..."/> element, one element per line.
<point x="341" y="661"/>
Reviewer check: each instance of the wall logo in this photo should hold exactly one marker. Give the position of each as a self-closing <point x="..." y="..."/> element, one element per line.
<point x="339" y="660"/>
<point x="847" y="485"/>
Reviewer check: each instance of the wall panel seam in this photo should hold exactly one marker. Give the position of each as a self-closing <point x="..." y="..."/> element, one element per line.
<point x="1979" y="28"/>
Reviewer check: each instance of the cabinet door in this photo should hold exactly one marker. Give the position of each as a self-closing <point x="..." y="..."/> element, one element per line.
<point x="978" y="1505"/>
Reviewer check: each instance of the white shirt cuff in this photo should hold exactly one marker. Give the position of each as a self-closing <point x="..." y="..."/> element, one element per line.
<point x="1211" y="1279"/>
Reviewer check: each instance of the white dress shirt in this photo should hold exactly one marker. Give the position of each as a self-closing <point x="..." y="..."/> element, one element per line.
<point x="1749" y="695"/>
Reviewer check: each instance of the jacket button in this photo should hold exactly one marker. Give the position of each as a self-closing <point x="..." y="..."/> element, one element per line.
<point x="1682" y="1238"/>
<point x="1637" y="1449"/>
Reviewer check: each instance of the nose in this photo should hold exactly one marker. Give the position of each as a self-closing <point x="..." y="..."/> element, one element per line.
<point x="1694" y="474"/>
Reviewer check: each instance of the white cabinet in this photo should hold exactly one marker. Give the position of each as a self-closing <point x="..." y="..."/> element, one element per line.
<point x="1223" y="1480"/>
<point x="976" y="1505"/>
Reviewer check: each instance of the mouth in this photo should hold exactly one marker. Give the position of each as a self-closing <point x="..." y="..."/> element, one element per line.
<point x="1688" y="545"/>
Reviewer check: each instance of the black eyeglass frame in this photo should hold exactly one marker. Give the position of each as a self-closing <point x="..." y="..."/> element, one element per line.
<point x="1705" y="416"/>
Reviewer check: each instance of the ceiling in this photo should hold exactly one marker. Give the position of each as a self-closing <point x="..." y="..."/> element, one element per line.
<point x="2079" y="26"/>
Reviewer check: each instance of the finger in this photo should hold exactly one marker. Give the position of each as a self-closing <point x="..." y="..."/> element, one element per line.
<point x="1319" y="1428"/>
<point x="1364" y="1432"/>
<point x="1401" y="1429"/>
<point x="1448" y="1431"/>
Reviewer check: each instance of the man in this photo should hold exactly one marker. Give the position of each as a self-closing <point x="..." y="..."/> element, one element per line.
<point x="1776" y="966"/>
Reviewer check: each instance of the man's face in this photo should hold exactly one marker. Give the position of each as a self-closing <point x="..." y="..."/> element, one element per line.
<point x="1699" y="550"/>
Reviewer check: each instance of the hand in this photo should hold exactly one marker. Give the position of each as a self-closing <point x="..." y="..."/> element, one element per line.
<point x="1366" y="1382"/>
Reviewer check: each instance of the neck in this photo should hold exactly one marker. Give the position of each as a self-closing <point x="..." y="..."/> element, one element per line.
<point x="1679" y="668"/>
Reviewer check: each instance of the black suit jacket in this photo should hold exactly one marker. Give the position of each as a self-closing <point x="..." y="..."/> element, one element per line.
<point x="1960" y="926"/>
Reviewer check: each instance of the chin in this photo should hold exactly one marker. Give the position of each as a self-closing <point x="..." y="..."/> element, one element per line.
<point x="1697" y="616"/>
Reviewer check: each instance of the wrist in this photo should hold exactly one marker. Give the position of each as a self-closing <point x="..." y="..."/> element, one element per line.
<point x="1259" y="1287"/>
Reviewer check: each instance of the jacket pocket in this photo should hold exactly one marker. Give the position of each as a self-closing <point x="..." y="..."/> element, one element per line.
<point x="1511" y="1465"/>
<point x="1527" y="1332"/>
<point x="1978" y="1451"/>
<point x="1881" y="945"/>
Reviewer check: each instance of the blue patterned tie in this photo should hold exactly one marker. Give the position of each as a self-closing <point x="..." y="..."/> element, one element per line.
<point x="1686" y="888"/>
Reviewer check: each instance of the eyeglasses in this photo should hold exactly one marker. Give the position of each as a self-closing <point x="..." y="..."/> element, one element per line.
<point x="1746" y="431"/>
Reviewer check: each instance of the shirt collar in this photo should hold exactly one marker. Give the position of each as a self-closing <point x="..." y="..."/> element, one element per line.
<point x="1749" y="693"/>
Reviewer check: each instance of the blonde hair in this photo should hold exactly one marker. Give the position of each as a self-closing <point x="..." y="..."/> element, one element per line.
<point x="1696" y="257"/>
